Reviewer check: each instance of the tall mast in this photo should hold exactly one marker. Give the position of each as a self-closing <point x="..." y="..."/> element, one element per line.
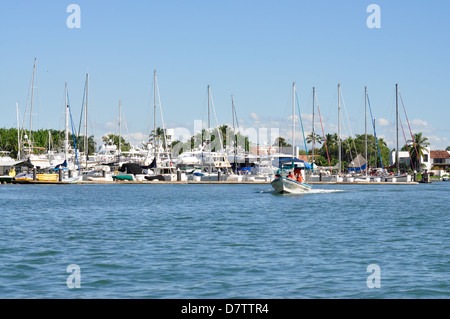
<point x="339" y="125"/>
<point x="365" y="124"/>
<point x="86" y="146"/>
<point x="396" y="119"/>
<point x="234" y="133"/>
<point x="66" y="135"/>
<point x="18" y="131"/>
<point x="209" y="126"/>
<point x="120" y="124"/>
<point x="293" y="120"/>
<point x="49" y="140"/>
<point x="32" y="98"/>
<point x="313" y="129"/>
<point x="209" y="112"/>
<point x="154" y="109"/>
<point x="232" y="111"/>
<point x="374" y="129"/>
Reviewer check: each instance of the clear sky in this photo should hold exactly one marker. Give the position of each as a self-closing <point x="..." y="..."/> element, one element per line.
<point x="253" y="50"/>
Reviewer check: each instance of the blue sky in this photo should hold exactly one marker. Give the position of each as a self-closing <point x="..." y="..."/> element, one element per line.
<point x="253" y="50"/>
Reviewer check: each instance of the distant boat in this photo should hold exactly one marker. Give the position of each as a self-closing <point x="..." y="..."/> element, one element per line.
<point x="40" y="177"/>
<point x="7" y="170"/>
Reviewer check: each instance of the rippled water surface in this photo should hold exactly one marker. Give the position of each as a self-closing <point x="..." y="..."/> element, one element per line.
<point x="224" y="241"/>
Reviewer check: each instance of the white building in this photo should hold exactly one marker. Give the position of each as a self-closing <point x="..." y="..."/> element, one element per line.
<point x="440" y="162"/>
<point x="405" y="159"/>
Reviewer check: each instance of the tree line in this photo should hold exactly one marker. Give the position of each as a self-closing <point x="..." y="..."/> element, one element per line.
<point x="47" y="139"/>
<point x="326" y="154"/>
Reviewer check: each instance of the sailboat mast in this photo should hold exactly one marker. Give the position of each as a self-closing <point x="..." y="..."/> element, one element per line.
<point x="339" y="125"/>
<point x="365" y="124"/>
<point x="293" y="120"/>
<point x="120" y="125"/>
<point x="32" y="98"/>
<point x="313" y="129"/>
<point x="86" y="150"/>
<point x="154" y="109"/>
<point x="209" y="111"/>
<point x="66" y="135"/>
<point x="375" y="151"/>
<point x="209" y="126"/>
<point x="234" y="132"/>
<point x="18" y="131"/>
<point x="397" y="157"/>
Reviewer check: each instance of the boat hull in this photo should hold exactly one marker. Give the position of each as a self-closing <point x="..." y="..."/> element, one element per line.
<point x="289" y="186"/>
<point x="39" y="177"/>
<point x="47" y="177"/>
<point x="6" y="179"/>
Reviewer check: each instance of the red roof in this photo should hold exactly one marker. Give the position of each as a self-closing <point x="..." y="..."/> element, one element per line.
<point x="439" y="154"/>
<point x="305" y="157"/>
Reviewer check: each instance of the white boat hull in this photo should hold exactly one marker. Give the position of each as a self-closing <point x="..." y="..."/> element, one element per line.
<point x="286" y="185"/>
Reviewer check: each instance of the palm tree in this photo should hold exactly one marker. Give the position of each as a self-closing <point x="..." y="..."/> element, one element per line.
<point x="158" y="136"/>
<point x="331" y="139"/>
<point x="313" y="137"/>
<point x="114" y="139"/>
<point x="332" y="144"/>
<point x="420" y="143"/>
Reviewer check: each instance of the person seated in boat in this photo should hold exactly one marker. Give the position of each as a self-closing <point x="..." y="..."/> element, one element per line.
<point x="300" y="177"/>
<point x="277" y="175"/>
<point x="290" y="176"/>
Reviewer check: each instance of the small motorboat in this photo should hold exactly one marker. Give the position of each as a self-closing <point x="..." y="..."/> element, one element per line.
<point x="286" y="185"/>
<point x="290" y="177"/>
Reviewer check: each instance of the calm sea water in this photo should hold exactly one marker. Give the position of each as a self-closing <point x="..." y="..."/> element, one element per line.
<point x="224" y="241"/>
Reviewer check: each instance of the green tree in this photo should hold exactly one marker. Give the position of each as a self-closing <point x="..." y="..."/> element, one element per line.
<point x="158" y="136"/>
<point x="92" y="145"/>
<point x="281" y="142"/>
<point x="114" y="139"/>
<point x="313" y="137"/>
<point x="229" y="138"/>
<point x="420" y="144"/>
<point x="350" y="148"/>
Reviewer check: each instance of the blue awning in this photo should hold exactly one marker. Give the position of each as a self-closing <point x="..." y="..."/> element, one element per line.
<point x="357" y="169"/>
<point x="282" y="161"/>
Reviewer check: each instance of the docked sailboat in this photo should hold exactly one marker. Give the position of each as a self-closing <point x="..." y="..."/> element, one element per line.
<point x="213" y="162"/>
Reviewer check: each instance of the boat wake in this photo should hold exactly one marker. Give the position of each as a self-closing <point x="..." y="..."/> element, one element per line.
<point x="312" y="191"/>
<point x="324" y="191"/>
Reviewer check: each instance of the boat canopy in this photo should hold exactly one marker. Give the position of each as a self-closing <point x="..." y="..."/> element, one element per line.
<point x="131" y="168"/>
<point x="61" y="166"/>
<point x="358" y="164"/>
<point x="293" y="160"/>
